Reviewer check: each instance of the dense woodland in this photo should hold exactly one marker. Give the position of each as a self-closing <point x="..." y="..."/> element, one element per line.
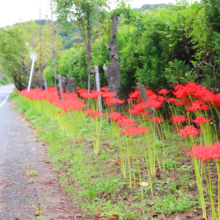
<point x="158" y="46"/>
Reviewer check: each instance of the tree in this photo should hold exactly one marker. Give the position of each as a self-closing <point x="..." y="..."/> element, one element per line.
<point x="13" y="55"/>
<point x="86" y="15"/>
<point x="54" y="47"/>
<point x="16" y="44"/>
<point x="113" y="72"/>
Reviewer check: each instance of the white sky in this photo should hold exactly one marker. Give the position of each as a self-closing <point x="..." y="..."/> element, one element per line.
<point x="14" y="11"/>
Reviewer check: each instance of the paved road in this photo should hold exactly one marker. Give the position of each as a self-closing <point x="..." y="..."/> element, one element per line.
<point x="5" y="91"/>
<point x="15" y="193"/>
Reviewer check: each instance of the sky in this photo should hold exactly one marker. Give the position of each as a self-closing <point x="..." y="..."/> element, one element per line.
<point x="14" y="11"/>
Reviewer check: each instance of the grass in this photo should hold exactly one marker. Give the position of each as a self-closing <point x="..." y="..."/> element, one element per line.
<point x="31" y="180"/>
<point x="96" y="183"/>
<point x="39" y="209"/>
<point x="31" y="173"/>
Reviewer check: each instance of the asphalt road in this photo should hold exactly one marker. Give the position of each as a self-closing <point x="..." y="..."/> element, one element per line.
<point x="15" y="193"/>
<point x="5" y="91"/>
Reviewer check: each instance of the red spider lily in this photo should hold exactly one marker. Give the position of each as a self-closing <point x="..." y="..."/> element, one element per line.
<point x="112" y="101"/>
<point x="96" y="93"/>
<point x="70" y="102"/>
<point x="92" y="113"/>
<point x="171" y="100"/>
<point x="161" y="98"/>
<point x="157" y="119"/>
<point x="115" y="116"/>
<point x="105" y="89"/>
<point x="188" y="131"/>
<point x="179" y="119"/>
<point x="134" y="131"/>
<point x="138" y="109"/>
<point x="209" y="97"/>
<point x="217" y="100"/>
<point x="92" y="95"/>
<point x="197" y="105"/>
<point x="204" y="108"/>
<point x="109" y="95"/>
<point x="183" y="102"/>
<point x="80" y="91"/>
<point x="150" y="93"/>
<point x="134" y="94"/>
<point x="189" y="90"/>
<point x="205" y="153"/>
<point x="163" y="91"/>
<point x="201" y="120"/>
<point x="124" y="121"/>
<point x="130" y="100"/>
<point x="155" y="104"/>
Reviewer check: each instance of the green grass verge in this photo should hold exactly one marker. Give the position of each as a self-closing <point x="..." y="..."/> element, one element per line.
<point x="96" y="183"/>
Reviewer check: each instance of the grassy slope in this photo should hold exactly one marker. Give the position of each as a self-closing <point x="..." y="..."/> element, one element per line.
<point x="96" y="183"/>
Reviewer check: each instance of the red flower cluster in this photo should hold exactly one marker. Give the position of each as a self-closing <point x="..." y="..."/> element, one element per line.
<point x="157" y="119"/>
<point x="92" y="113"/>
<point x="163" y="91"/>
<point x="197" y="105"/>
<point x="134" y="130"/>
<point x="205" y="153"/>
<point x="127" y="123"/>
<point x="197" y="92"/>
<point x="70" y="102"/>
<point x="193" y="97"/>
<point x="201" y="120"/>
<point x="188" y="131"/>
<point x="179" y="119"/>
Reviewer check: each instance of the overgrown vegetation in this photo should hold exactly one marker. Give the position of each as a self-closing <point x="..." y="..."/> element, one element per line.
<point x="96" y="182"/>
<point x="158" y="48"/>
<point x="122" y="168"/>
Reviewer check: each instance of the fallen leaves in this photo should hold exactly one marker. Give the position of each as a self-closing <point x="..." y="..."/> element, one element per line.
<point x="98" y="212"/>
<point x="113" y="217"/>
<point x="63" y="174"/>
<point x="98" y="217"/>
<point x="38" y="213"/>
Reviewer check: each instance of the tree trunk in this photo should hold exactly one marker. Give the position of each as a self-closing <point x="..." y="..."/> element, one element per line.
<point x="113" y="72"/>
<point x="89" y="50"/>
<point x="54" y="49"/>
<point x="41" y="69"/>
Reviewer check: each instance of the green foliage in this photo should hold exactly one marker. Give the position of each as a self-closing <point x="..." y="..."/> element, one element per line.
<point x="69" y="37"/>
<point x="3" y="79"/>
<point x="178" y="72"/>
<point x="170" y="204"/>
<point x="213" y="13"/>
<point x="169" y="164"/>
<point x="73" y="64"/>
<point x="17" y="42"/>
<point x="13" y="54"/>
<point x="97" y="190"/>
<point x="158" y="48"/>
